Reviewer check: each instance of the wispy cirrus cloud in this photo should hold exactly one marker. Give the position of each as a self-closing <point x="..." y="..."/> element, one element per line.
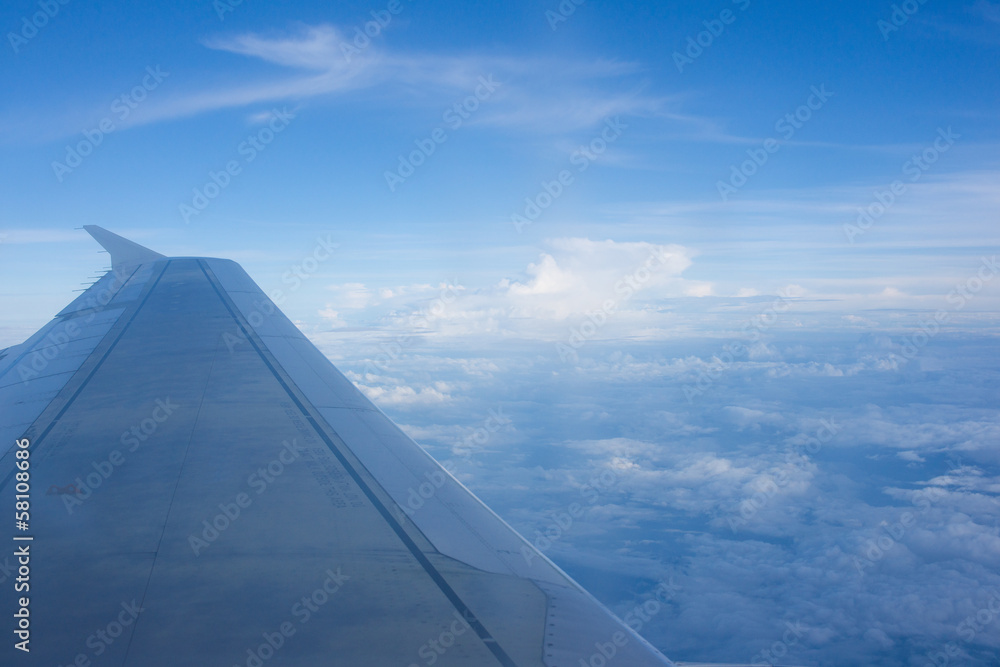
<point x="537" y="93"/>
<point x="313" y="47"/>
<point x="979" y="25"/>
<point x="987" y="10"/>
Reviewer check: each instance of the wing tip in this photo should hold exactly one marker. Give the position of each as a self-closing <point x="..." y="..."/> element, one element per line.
<point x="124" y="253"/>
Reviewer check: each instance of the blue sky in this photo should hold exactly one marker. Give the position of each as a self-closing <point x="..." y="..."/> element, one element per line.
<point x="667" y="260"/>
<point x="225" y="72"/>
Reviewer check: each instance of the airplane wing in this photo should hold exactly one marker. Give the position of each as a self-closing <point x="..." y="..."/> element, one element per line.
<point x="206" y="488"/>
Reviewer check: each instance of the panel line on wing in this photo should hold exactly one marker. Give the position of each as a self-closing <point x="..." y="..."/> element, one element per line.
<point x="170" y="506"/>
<point x="35" y="442"/>
<point x="286" y="383"/>
<point x="55" y="322"/>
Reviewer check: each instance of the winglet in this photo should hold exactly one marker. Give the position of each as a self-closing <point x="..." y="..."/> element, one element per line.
<point x="124" y="253"/>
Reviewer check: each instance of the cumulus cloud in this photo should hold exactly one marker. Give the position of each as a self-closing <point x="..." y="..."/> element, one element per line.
<point x="331" y="317"/>
<point x="402" y="395"/>
<point x="351" y="295"/>
<point x="873" y="544"/>
<point x="573" y="277"/>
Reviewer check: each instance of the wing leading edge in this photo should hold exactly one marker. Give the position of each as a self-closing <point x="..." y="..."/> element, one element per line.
<point x="216" y="491"/>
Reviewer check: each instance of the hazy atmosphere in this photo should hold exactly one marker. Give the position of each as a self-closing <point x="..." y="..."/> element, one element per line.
<point x="701" y="293"/>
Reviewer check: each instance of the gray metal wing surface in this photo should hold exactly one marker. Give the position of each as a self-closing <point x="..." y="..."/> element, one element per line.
<point x="206" y="488"/>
